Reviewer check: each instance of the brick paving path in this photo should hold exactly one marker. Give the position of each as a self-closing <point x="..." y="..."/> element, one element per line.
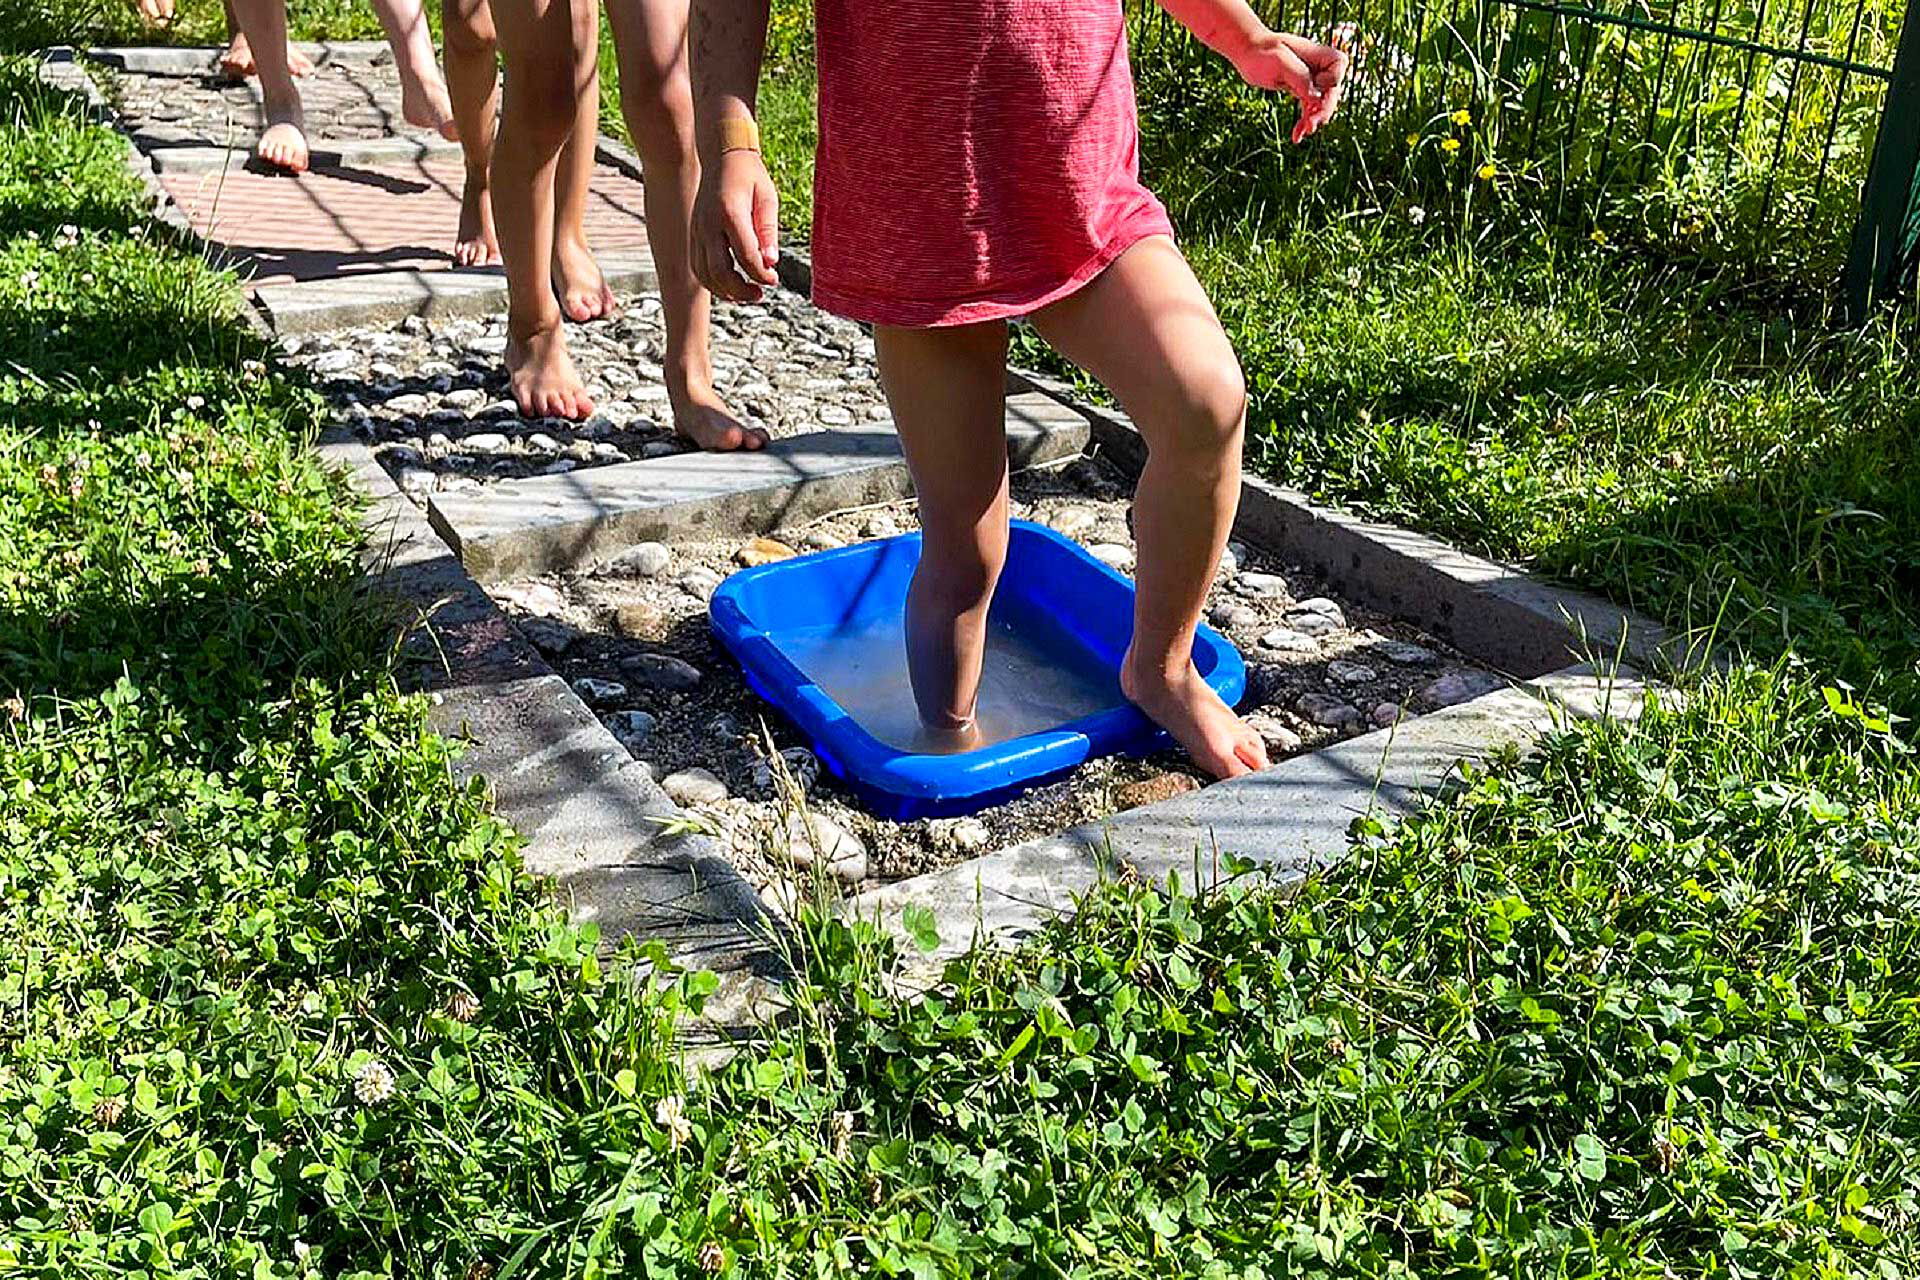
<point x="347" y="216"/>
<point x="347" y="219"/>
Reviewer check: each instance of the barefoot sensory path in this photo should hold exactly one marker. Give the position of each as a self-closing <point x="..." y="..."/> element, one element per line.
<point x="654" y="788"/>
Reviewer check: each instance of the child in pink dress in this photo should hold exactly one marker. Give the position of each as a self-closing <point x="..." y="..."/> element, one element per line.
<point x="978" y="161"/>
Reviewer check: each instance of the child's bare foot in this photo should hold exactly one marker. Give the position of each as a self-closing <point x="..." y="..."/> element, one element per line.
<point x="583" y="291"/>
<point x="1188" y="708"/>
<point x="700" y="415"/>
<point x="541" y="374"/>
<point x="284" y="144"/>
<point x="476" y="245"/>
<point x="238" y="62"/>
<point x="424" y="103"/>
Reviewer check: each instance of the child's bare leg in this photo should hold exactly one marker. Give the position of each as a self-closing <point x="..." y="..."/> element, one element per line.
<point x="1146" y="329"/>
<point x="283" y="143"/>
<point x="584" y="294"/>
<point x="238" y="62"/>
<point x="473" y="65"/>
<point x="423" y="94"/>
<point x="538" y="113"/>
<point x="947" y="388"/>
<point x="656" y="97"/>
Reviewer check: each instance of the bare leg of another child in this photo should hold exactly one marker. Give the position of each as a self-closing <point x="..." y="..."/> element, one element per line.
<point x="545" y="81"/>
<point x="656" y="97"/>
<point x="283" y="143"/>
<point x="947" y="388"/>
<point x="473" y="85"/>
<point x="1146" y="330"/>
<point x="423" y="94"/>
<point x="583" y="291"/>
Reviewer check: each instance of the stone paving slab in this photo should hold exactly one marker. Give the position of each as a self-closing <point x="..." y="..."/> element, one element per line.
<point x="191" y="156"/>
<point x="1290" y="819"/>
<point x="518" y="528"/>
<point x="387" y="297"/>
<point x="593" y="818"/>
<point x="170" y="60"/>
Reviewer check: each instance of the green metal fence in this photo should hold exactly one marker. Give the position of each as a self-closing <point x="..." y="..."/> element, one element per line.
<point x="1742" y="130"/>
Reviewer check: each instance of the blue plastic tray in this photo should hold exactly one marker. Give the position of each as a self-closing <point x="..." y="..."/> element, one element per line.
<point x="1053" y="595"/>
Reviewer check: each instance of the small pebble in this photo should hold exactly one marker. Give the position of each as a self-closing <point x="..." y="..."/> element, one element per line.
<point x="646" y="560"/>
<point x="1262" y="586"/>
<point x="594" y="692"/>
<point x="699" y="583"/>
<point x="631" y="729"/>
<point x="764" y="551"/>
<point x="541" y="442"/>
<point x="691" y="787"/>
<point x="880" y="525"/>
<point x="1387" y="714"/>
<point x="1231" y="615"/>
<point x="798" y="763"/>
<point x="1287" y="640"/>
<point x="815" y="839"/>
<point x="641" y="621"/>
<point x="1318" y="616"/>
<point x="1407" y="655"/>
<point x="662" y="671"/>
<point x="821" y="540"/>
<point x="1328" y="711"/>
<point x="1351" y="672"/>
<point x="549" y="637"/>
<point x="1114" y="555"/>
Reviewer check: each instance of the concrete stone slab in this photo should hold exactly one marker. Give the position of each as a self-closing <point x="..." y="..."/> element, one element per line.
<point x="387" y="297"/>
<point x="1491" y="611"/>
<point x="594" y="820"/>
<point x="189" y="154"/>
<point x="205" y="59"/>
<point x="1290" y="819"/>
<point x="520" y="527"/>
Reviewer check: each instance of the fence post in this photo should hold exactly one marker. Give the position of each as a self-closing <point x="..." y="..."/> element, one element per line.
<point x="1890" y="190"/>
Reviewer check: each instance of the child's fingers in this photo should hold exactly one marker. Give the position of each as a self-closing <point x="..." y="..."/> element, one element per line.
<point x="766" y="227"/>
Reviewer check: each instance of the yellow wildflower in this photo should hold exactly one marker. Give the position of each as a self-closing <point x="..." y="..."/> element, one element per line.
<point x="1462" y="116"/>
<point x="1413" y="139"/>
<point x="1486" y="171"/>
<point x="1598" y="236"/>
<point x="1450" y="145"/>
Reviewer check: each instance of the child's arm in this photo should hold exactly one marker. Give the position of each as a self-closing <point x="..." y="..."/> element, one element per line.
<point x="1312" y="72"/>
<point x="736" y="213"/>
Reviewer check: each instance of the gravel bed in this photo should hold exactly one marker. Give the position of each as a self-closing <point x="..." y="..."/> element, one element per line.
<point x="350" y="100"/>
<point x="431" y="396"/>
<point x="632" y="636"/>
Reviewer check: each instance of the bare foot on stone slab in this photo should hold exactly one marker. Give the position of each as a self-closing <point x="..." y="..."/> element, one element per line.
<point x="424" y="103"/>
<point x="542" y="377"/>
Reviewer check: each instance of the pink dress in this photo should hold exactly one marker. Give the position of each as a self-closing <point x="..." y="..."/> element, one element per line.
<point x="978" y="159"/>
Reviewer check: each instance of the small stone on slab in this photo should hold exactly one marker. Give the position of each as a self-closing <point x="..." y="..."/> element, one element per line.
<point x="1328" y="711"/>
<point x="1351" y="672"/>
<point x="1318" y="616"/>
<point x="662" y="671"/>
<point x="594" y="692"/>
<point x="1287" y="640"/>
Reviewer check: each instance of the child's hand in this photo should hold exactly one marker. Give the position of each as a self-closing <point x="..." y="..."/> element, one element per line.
<point x="155" y="13"/>
<point x="1313" y="73"/>
<point x="736" y="220"/>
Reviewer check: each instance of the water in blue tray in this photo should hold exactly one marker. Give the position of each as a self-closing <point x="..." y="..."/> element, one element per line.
<point x="819" y="637"/>
<point x="1026" y="685"/>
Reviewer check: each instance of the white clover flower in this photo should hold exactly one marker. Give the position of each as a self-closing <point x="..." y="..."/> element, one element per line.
<point x="373" y="1083"/>
<point x="670" y="1114"/>
<point x="1416" y="215"/>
